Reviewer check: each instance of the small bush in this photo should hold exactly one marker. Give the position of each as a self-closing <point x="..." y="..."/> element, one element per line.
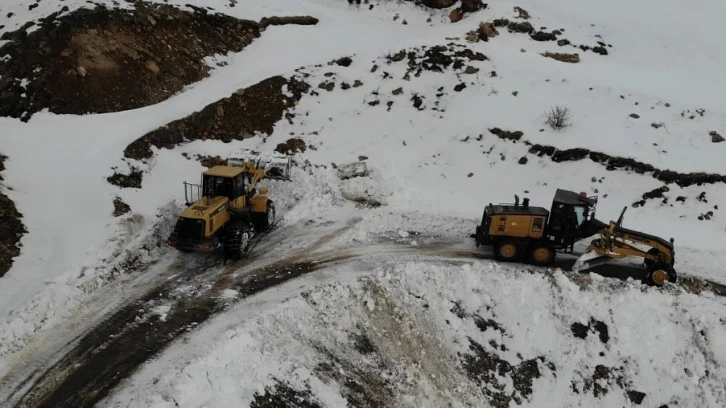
<point x="558" y="117"/>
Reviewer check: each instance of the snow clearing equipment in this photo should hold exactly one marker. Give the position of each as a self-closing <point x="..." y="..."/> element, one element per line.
<point x="227" y="210"/>
<point x="534" y="235"/>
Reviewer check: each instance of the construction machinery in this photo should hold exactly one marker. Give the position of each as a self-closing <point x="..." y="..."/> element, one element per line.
<point x="227" y="209"/>
<point x="520" y="232"/>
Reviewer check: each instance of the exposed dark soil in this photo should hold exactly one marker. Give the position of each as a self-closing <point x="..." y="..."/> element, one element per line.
<point x="237" y="117"/>
<point x="293" y="145"/>
<point x="120" y="207"/>
<point x="211" y="161"/>
<point x="612" y="163"/>
<point x="594" y="326"/>
<point x="486" y="368"/>
<point x="359" y="385"/>
<point x="282" y="395"/>
<point x="131" y="180"/>
<point x="12" y="228"/>
<point x="108" y="60"/>
<point x="111" y="352"/>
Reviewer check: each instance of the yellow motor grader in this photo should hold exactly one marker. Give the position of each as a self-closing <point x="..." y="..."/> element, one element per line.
<point x="227" y="209"/>
<point x="520" y="232"/>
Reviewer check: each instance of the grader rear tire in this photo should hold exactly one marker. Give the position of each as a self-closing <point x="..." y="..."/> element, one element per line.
<point x="507" y="251"/>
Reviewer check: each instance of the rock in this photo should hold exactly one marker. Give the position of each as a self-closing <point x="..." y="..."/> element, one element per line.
<point x="471" y="70"/>
<point x="151" y="20"/>
<point x="151" y="66"/>
<point x="507" y="135"/>
<point x="357" y="83"/>
<point x="438" y="4"/>
<point x="487" y="30"/>
<point x="470" y="175"/>
<point x="523" y="14"/>
<point x="472" y="36"/>
<point x="460" y="87"/>
<point x="344" y="62"/>
<point x="352" y="170"/>
<point x="328" y="86"/>
<point x="81" y="71"/>
<point x="65" y="53"/>
<point x="715" y="137"/>
<point x="635" y="116"/>
<point x="471" y="6"/>
<point x="362" y="158"/>
<point x="220" y="111"/>
<point x="397" y="91"/>
<point x="562" y="57"/>
<point x="240" y="91"/>
<point x="543" y="36"/>
<point x="563" y="42"/>
<point x="600" y="50"/>
<point x="456" y="15"/>
<point x="523" y="160"/>
<point x="523" y="27"/>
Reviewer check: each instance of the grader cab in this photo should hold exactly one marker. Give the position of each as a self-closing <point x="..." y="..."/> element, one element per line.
<point x="520" y="232"/>
<point x="227" y="208"/>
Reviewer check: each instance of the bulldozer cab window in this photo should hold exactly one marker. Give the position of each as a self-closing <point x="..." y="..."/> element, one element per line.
<point x="218" y="186"/>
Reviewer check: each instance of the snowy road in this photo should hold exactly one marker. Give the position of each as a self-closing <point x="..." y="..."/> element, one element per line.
<point x="89" y="361"/>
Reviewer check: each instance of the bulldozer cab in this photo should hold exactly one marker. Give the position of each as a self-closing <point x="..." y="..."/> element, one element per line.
<point x="570" y="217"/>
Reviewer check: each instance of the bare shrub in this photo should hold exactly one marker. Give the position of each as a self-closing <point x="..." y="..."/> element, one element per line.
<point x="558" y="117"/>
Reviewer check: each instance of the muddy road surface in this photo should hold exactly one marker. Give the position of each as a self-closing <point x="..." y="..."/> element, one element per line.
<point x="98" y="360"/>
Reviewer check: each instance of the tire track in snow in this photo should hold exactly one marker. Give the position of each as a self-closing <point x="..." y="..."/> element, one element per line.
<point x="112" y="351"/>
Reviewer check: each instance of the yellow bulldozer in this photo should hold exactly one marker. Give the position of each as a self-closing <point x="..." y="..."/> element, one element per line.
<point x="523" y="233"/>
<point x="226" y="210"/>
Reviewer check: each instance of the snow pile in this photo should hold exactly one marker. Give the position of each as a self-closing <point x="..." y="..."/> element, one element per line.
<point x="136" y="246"/>
<point x="422" y="334"/>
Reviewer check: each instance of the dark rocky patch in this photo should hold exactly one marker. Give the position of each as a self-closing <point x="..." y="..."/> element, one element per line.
<point x="131" y="180"/>
<point x="715" y="137"/>
<point x="359" y="385"/>
<point x="120" y="207"/>
<point x="362" y="343"/>
<point x="563" y="57"/>
<point x="507" y="135"/>
<point x="486" y="324"/>
<point x="636" y="397"/>
<point x="628" y="164"/>
<point x="436" y="58"/>
<point x="486" y="369"/>
<point x="581" y="331"/>
<point x="519" y="27"/>
<point x="12" y="228"/>
<point x="543" y="36"/>
<point x="108" y="60"/>
<point x="210" y="161"/>
<point x="282" y="395"/>
<point x="291" y="146"/>
<point x="343" y="62"/>
<point x="295" y="20"/>
<point x="237" y="117"/>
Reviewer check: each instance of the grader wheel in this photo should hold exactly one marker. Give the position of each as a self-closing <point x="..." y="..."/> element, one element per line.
<point x="541" y="254"/>
<point x="659" y="273"/>
<point x="507" y="251"/>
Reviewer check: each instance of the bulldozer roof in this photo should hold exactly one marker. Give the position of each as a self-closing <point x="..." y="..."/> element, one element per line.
<point x="510" y="209"/>
<point x="224" y="171"/>
<point x="571" y="198"/>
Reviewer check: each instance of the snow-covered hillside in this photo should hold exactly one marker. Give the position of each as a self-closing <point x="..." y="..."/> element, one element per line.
<point x="405" y="313"/>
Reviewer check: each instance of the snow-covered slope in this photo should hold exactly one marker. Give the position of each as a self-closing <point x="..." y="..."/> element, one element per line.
<point x="655" y="97"/>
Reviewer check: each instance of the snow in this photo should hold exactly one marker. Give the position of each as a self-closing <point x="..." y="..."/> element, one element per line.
<point x="407" y="313"/>
<point x="64" y="281"/>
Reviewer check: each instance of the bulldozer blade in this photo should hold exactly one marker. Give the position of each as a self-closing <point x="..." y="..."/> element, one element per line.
<point x="277" y="165"/>
<point x="590" y="260"/>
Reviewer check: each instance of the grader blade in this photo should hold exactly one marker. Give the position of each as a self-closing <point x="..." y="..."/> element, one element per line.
<point x="590" y="260"/>
<point x="276" y="165"/>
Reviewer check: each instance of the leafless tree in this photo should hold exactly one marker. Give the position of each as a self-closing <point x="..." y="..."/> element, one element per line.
<point x="558" y="117"/>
